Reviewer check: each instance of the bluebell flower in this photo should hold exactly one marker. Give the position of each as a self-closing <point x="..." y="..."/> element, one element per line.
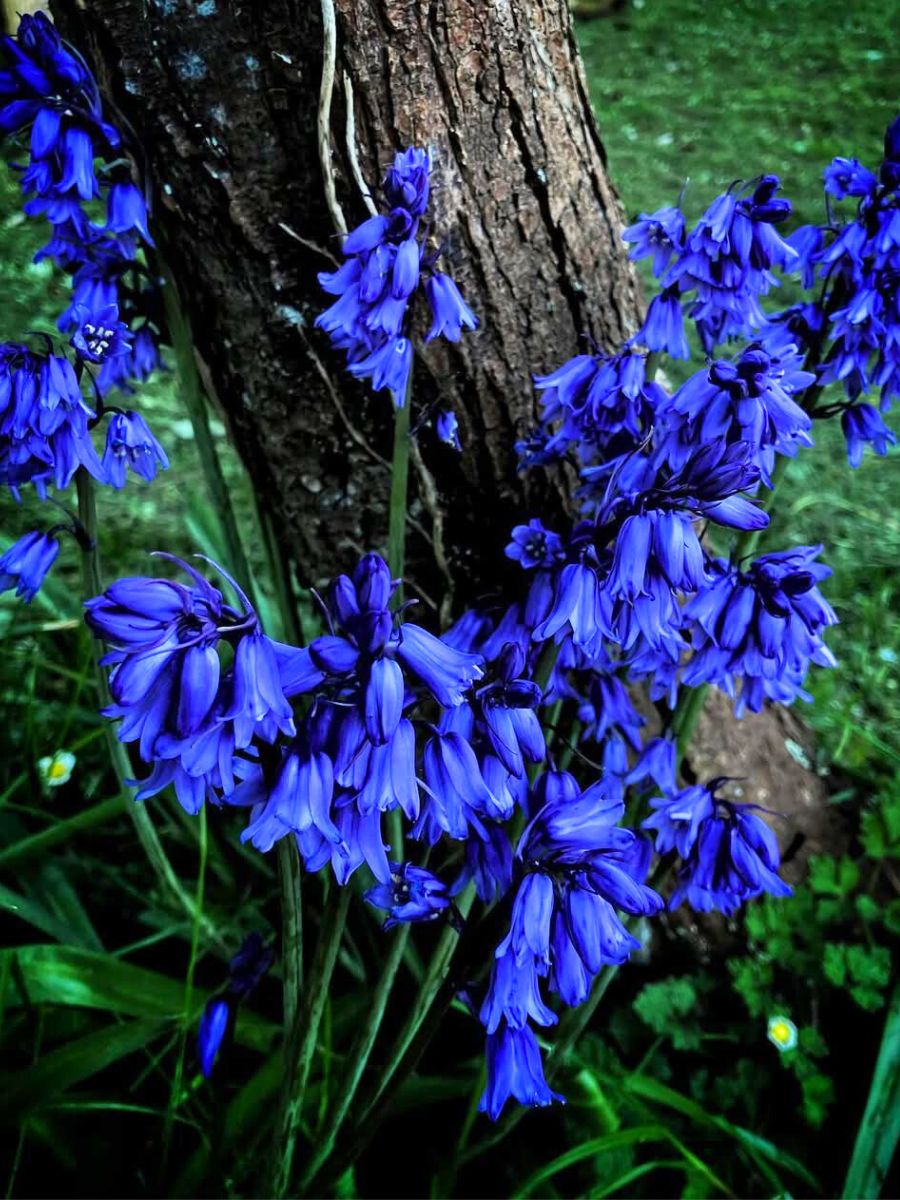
<point x="389" y="366"/>
<point x="488" y="864"/>
<point x="659" y="235"/>
<point x="848" y="177"/>
<point x="300" y="800"/>
<point x="575" y="608"/>
<point x="759" y="628"/>
<point x="508" y="710"/>
<point x="657" y="761"/>
<point x="445" y="672"/>
<point x="407" y="183"/>
<point x="216" y="1021"/>
<point x="446" y="427"/>
<point x="127" y="211"/>
<point x="413" y="894"/>
<point x="607" y="707"/>
<point x="129" y="443"/>
<point x="101" y="335"/>
<point x="727" y="261"/>
<point x="677" y="819"/>
<point x="44" y="420"/>
<point x="187" y="714"/>
<point x="450" y="312"/>
<point x="457" y="796"/>
<point x="253" y="960"/>
<point x="663" y="327"/>
<point x="534" y="546"/>
<point x="24" y="566"/>
<point x="864" y="426"/>
<point x="514" y="1069"/>
<point x="598" y="404"/>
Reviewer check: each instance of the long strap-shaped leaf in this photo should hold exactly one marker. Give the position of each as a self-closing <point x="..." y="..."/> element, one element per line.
<point x="879" y="1130"/>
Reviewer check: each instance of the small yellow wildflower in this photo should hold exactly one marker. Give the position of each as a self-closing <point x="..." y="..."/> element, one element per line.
<point x="56" y="769"/>
<point x="782" y="1033"/>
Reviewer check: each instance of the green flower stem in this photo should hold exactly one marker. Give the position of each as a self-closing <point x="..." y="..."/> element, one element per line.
<point x="438" y="970"/>
<point x="302" y="1039"/>
<point x="192" y="395"/>
<point x="140" y="817"/>
<point x="359" y="1055"/>
<point x="289" y="876"/>
<point x="175" y="1093"/>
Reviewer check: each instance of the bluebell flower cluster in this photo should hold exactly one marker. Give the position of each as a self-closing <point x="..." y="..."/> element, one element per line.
<point x="756" y="629"/>
<point x="729" y="854"/>
<point x="723" y="266"/>
<point x="50" y="103"/>
<point x="580" y="870"/>
<point x="855" y="332"/>
<point x="387" y="262"/>
<point x="47" y="89"/>
<point x="465" y="738"/>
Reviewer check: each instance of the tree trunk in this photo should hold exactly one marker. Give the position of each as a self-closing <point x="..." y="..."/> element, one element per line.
<point x="231" y="102"/>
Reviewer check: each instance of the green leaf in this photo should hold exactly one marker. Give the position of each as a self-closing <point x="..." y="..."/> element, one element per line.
<point x="833" y="876"/>
<point x="759" y="1147"/>
<point x="666" y="1007"/>
<point x="23" y="1091"/>
<point x="879" y="1129"/>
<point x="67" y="975"/>
<point x="638" y="1134"/>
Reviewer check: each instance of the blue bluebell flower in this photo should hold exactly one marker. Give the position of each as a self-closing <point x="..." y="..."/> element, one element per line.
<point x="845" y="177"/>
<point x="413" y="894"/>
<point x="657" y="761"/>
<point x="534" y="546"/>
<point x="101" y="335"/>
<point x="253" y="960"/>
<point x="44" y="421"/>
<point x="385" y="263"/>
<point x="659" y="235"/>
<point x="864" y="426"/>
<point x="457" y="797"/>
<point x="514" y="1069"/>
<point x="216" y="1021"/>
<point x="187" y="714"/>
<point x="663" y="327"/>
<point x="508" y="710"/>
<point x="597" y="403"/>
<point x="735" y="858"/>
<point x="727" y="261"/>
<point x="446" y="426"/>
<point x="488" y="864"/>
<point x="450" y="312"/>
<point x="24" y="566"/>
<point x="130" y="444"/>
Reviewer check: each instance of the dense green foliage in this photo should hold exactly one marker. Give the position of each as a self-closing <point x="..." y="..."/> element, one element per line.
<point x="680" y="1093"/>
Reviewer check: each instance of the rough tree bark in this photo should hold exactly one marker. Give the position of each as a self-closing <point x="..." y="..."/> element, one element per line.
<point x="227" y="100"/>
